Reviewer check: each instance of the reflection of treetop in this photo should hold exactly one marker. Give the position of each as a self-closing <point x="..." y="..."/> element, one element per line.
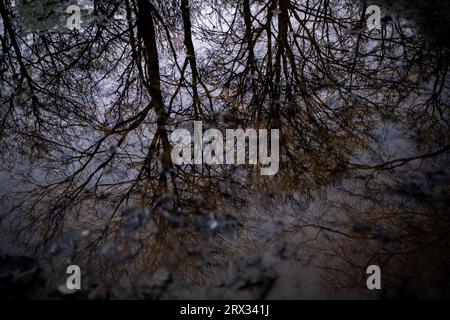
<point x="40" y="15"/>
<point x="240" y="64"/>
<point x="45" y="15"/>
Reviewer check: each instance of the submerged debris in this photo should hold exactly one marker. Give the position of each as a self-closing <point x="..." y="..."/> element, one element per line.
<point x="65" y="245"/>
<point x="134" y="218"/>
<point x="154" y="287"/>
<point x="207" y="223"/>
<point x="165" y="207"/>
<point x="17" y="275"/>
<point x="120" y="252"/>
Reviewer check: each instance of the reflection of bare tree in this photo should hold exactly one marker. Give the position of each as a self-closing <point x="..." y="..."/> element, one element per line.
<point x="85" y="120"/>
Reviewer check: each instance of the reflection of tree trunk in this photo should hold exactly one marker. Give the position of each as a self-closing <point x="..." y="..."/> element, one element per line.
<point x="249" y="37"/>
<point x="283" y="21"/>
<point x="282" y="42"/>
<point x="190" y="51"/>
<point x="146" y="29"/>
<point x="10" y="31"/>
<point x="251" y="63"/>
<point x="270" y="55"/>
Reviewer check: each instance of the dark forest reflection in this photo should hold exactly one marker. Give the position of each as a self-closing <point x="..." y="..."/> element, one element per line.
<point x="87" y="176"/>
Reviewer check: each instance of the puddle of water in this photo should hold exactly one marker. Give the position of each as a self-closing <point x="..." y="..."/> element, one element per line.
<point x="363" y="175"/>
